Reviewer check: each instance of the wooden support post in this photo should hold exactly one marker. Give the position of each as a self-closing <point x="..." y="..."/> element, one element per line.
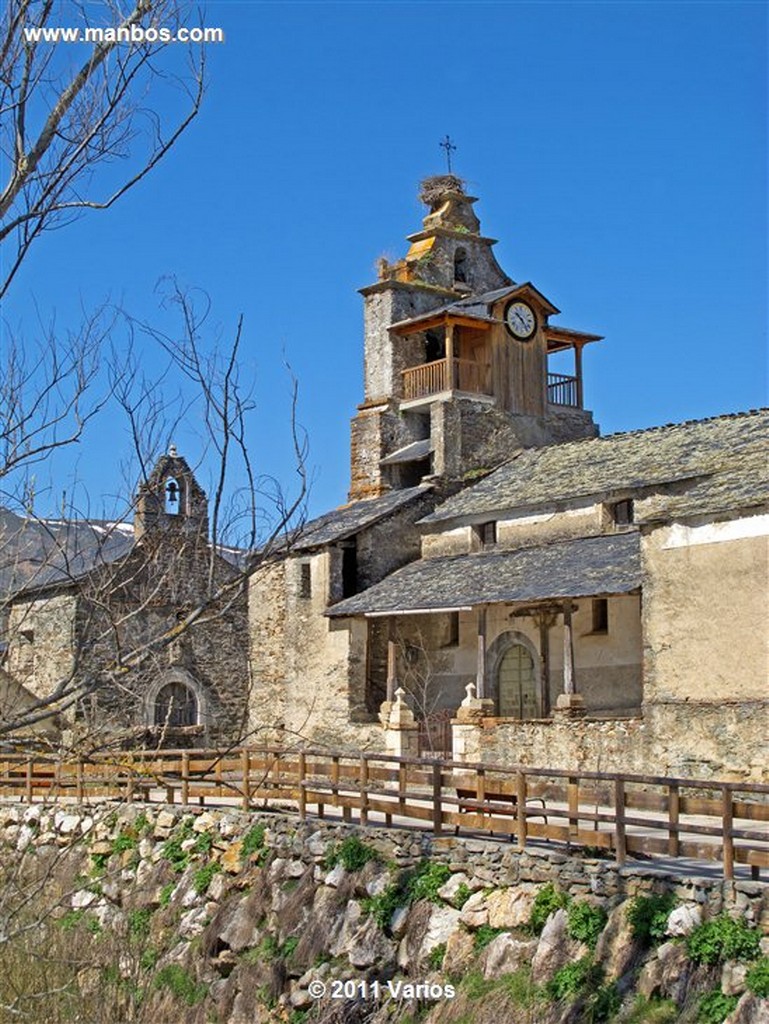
<point x="620" y="840"/>
<point x="578" y="374"/>
<point x="727" y="826"/>
<point x="28" y="785"/>
<point x="302" y="772"/>
<point x="450" y="382"/>
<point x="401" y="787"/>
<point x="363" y="791"/>
<point x="392" y="678"/>
<point x="544" y="621"/>
<point x="79" y="780"/>
<point x="480" y="675"/>
<point x="185" y="778"/>
<point x="568" y="651"/>
<point x="245" y="768"/>
<point x="480" y="790"/>
<point x="437" y="799"/>
<point x="674" y="810"/>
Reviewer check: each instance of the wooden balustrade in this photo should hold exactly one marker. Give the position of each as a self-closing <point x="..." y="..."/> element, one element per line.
<point x="445" y="375"/>
<point x="562" y="390"/>
<point x="622" y="815"/>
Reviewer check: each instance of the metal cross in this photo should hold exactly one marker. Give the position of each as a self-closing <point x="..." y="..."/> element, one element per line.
<point x="448" y="145"/>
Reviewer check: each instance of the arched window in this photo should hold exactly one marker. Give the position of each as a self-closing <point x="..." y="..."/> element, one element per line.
<point x="176" y="706"/>
<point x="460" y="266"/>
<point x="516" y="684"/>
<point x="173" y="496"/>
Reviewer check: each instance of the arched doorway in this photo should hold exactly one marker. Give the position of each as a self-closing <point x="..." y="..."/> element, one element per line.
<point x="516" y="684"/>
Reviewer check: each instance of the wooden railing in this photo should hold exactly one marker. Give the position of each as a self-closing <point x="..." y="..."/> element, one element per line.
<point x="620" y="815"/>
<point x="562" y="390"/>
<point x="445" y="375"/>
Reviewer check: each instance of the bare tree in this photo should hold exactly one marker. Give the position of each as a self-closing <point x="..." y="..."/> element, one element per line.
<point x="65" y="119"/>
<point x="134" y="611"/>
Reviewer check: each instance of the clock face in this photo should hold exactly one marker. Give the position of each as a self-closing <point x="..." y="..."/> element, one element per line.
<point x="520" y="320"/>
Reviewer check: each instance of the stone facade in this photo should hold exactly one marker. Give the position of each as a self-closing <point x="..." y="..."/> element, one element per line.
<point x="147" y="647"/>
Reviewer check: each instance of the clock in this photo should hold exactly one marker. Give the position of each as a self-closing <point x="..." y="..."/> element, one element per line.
<point x="521" y="321"/>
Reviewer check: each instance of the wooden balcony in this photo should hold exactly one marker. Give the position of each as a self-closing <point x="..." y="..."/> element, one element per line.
<point x="445" y="375"/>
<point x="563" y="390"/>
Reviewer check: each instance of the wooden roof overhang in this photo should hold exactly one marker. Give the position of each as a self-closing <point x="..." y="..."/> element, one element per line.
<point x="560" y="338"/>
<point x="443" y="319"/>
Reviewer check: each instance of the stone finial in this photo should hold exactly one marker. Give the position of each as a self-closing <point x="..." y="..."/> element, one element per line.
<point x="172" y="451"/>
<point x="470" y="690"/>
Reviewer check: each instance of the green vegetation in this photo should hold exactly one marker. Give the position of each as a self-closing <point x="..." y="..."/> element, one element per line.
<point x="648" y="917"/>
<point x="71" y="919"/>
<point x="125" y="840"/>
<point x="653" y="1011"/>
<point x="757" y="978"/>
<point x="462" y="895"/>
<point x="203" y="843"/>
<point x="723" y="938"/>
<point x="203" y="877"/>
<point x="139" y="923"/>
<point x="182" y="985"/>
<point x="352" y="853"/>
<point x="172" y="848"/>
<point x="548" y="899"/>
<point x="485" y="935"/>
<point x="269" y="949"/>
<point x="98" y="864"/>
<point x="575" y="978"/>
<point x="715" y="1007"/>
<point x="586" y="922"/>
<point x="436" y="955"/>
<point x="149" y="958"/>
<point x="427" y="879"/>
<point x="517" y="987"/>
<point x="165" y="894"/>
<point x="382" y="906"/>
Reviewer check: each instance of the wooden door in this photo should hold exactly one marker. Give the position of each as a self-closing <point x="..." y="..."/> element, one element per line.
<point x="516" y="685"/>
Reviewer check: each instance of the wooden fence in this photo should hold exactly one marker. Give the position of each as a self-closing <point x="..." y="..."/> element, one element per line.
<point x="620" y="815"/>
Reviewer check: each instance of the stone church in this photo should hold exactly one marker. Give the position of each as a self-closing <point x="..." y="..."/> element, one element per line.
<point x="566" y="598"/>
<point x="517" y="586"/>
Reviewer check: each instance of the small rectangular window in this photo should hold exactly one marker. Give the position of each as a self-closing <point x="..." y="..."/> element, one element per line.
<point x="452" y="630"/>
<point x="600" y="615"/>
<point x="305" y="580"/>
<point x="487" y="534"/>
<point x="622" y="512"/>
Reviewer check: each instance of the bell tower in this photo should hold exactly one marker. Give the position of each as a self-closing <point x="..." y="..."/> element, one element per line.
<point x="457" y="372"/>
<point x="170" y="501"/>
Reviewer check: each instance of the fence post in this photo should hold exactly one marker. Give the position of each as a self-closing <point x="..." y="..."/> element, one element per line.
<point x="573" y="800"/>
<point x="301" y="772"/>
<point x="619" y="821"/>
<point x="185" y="778"/>
<point x="28" y="785"/>
<point x="437" y="799"/>
<point x="674" y="811"/>
<point x="728" y="815"/>
<point x="245" y="768"/>
<point x="363" y="791"/>
<point x="79" y="780"/>
<point x="520" y="816"/>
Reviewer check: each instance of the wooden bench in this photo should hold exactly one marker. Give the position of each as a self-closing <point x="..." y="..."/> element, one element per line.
<point x="494" y="804"/>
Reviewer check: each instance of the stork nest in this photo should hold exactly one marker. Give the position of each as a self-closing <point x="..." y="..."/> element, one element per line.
<point x="432" y="190"/>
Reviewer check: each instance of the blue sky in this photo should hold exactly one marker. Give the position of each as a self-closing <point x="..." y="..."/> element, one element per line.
<point x="618" y="149"/>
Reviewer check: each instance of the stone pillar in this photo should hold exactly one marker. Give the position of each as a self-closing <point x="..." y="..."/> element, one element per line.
<point x="401" y="729"/>
<point x="466" y="727"/>
<point x="569" y="702"/>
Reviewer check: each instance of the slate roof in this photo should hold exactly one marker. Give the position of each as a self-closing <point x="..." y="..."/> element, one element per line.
<point x="705" y="465"/>
<point x="39" y="553"/>
<point x="409" y="453"/>
<point x="348" y="520"/>
<point x="608" y="564"/>
<point x="476" y="306"/>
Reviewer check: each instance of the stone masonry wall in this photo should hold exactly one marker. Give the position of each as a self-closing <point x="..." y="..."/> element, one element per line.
<point x="249" y="918"/>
